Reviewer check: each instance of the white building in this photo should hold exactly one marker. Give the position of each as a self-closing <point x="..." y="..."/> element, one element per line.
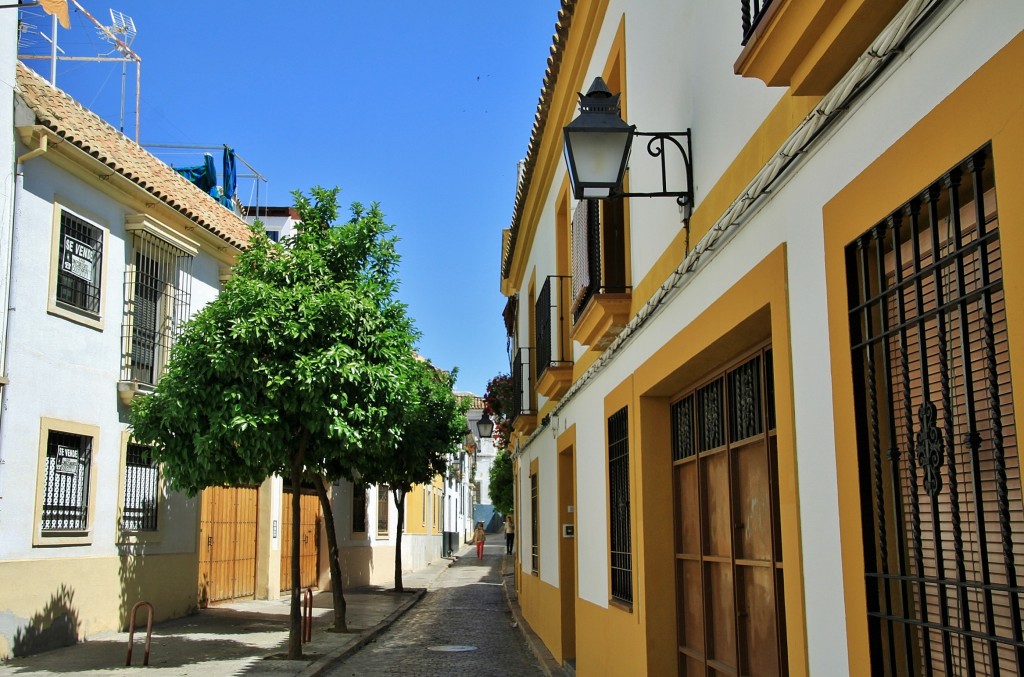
<point x="112" y="250"/>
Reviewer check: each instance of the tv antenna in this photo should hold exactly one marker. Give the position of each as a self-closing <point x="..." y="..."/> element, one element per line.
<point x="120" y="34"/>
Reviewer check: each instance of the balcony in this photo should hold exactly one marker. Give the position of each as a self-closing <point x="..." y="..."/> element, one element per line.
<point x="554" y="347"/>
<point x="524" y="410"/>
<point x="602" y="300"/>
<point x="807" y="45"/>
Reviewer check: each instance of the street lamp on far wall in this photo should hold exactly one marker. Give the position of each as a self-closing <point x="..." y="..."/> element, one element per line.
<point x="485" y="426"/>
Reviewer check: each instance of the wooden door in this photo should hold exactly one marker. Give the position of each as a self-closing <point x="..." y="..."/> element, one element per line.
<point x="729" y="573"/>
<point x="309" y="548"/>
<point x="227" y="544"/>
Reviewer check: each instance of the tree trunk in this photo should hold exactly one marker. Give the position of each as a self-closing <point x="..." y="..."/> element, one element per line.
<point x="295" y="615"/>
<point x="400" y="504"/>
<point x="337" y="592"/>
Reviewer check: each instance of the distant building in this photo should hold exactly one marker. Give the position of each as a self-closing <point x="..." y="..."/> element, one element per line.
<point x="278" y="222"/>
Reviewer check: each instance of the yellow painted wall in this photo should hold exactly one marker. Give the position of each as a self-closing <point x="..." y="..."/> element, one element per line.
<point x="97" y="592"/>
<point x="608" y="642"/>
<point x="540" y="603"/>
<point x="989" y="106"/>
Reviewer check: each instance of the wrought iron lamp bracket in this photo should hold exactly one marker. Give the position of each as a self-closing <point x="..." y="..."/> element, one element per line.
<point x="657" y="144"/>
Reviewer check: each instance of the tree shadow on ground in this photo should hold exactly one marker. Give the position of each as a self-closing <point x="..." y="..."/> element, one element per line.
<point x="53" y="627"/>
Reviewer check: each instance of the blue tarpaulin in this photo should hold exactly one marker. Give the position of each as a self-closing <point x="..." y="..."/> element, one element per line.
<point x="204" y="176"/>
<point x="230" y="177"/>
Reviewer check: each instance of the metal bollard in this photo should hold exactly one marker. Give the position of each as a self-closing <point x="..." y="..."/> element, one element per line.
<point x="131" y="632"/>
<point x="307" y="616"/>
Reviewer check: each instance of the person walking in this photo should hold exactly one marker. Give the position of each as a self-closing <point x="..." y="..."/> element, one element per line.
<point x="480" y="537"/>
<point x="510" y="534"/>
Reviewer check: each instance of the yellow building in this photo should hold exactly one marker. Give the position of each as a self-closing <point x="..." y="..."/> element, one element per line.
<point x="765" y="420"/>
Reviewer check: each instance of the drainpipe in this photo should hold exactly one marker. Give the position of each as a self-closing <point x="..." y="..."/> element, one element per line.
<point x="8" y="207"/>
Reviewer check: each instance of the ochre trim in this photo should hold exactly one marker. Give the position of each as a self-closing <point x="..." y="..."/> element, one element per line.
<point x="604" y="318"/>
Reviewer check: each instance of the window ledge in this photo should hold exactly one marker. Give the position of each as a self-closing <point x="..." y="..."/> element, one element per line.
<point x="555" y="381"/>
<point x="129" y="390"/>
<point x="603" y="319"/>
<point x="525" y="424"/>
<point x="52" y="538"/>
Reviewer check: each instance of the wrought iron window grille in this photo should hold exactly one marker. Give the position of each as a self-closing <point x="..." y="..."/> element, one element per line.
<point x="66" y="483"/>
<point x="158" y="294"/>
<point x="523" y="383"/>
<point x="141" y="490"/>
<point x="939" y="468"/>
<point x="552" y="323"/>
<point x="621" y="541"/>
<point x="751" y="13"/>
<point x="80" y="263"/>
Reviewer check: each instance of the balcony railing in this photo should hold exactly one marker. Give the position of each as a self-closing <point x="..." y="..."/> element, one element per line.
<point x="752" y="11"/>
<point x="599" y="251"/>
<point x="522" y="383"/>
<point x="552" y="315"/>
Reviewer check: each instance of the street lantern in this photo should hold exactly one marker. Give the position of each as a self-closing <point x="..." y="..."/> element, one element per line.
<point x="485" y="426"/>
<point x="597" y="144"/>
<point x="597" y="149"/>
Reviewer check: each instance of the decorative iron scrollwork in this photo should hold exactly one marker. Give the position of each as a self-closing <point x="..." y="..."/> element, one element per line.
<point x="929" y="449"/>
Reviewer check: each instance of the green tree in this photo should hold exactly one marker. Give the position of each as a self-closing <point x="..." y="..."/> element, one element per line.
<point x="290" y="370"/>
<point x="498" y="403"/>
<point x="501" y="481"/>
<point x="432" y="423"/>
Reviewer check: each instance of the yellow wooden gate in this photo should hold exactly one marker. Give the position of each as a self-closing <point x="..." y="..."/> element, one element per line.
<point x="227" y="544"/>
<point x="309" y="548"/>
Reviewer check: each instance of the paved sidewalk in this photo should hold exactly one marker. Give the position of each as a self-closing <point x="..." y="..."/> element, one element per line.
<point x="249" y="638"/>
<point x="240" y="638"/>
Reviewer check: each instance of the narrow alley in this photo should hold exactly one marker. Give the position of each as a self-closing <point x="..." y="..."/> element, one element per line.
<point x="462" y="627"/>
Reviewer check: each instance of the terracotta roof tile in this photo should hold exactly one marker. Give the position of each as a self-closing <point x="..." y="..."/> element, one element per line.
<point x="73" y="122"/>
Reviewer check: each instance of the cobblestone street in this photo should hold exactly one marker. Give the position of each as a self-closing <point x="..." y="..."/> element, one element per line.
<point x="462" y="627"/>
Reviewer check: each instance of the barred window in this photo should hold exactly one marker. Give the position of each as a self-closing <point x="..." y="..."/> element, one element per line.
<point x="158" y="291"/>
<point x="141" y="489"/>
<point x="382" y="509"/>
<point x="534" y="524"/>
<point x="359" y="508"/>
<point x="621" y="541"/>
<point x="81" y="263"/>
<point x="66" y="491"/>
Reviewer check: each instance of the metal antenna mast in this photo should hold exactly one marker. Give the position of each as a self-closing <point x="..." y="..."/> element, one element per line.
<point x="124" y="27"/>
<point x="120" y="35"/>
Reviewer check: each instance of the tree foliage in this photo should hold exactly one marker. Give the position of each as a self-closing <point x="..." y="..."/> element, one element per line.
<point x="292" y="368"/>
<point x="498" y="402"/>
<point x="431" y="423"/>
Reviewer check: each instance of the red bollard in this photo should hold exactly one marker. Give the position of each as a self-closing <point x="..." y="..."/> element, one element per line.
<point x="307" y="616"/>
<point x="131" y="632"/>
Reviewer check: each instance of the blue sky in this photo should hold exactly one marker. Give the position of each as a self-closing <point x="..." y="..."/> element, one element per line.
<point x="423" y="107"/>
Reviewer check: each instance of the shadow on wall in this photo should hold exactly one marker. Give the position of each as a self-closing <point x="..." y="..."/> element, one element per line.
<point x="130" y="589"/>
<point x="55" y="626"/>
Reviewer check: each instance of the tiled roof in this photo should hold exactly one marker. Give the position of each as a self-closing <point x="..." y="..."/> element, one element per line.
<point x="76" y="124"/>
<point x="565" y="15"/>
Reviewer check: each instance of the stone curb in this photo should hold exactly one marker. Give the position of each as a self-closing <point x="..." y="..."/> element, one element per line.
<point x="325" y="662"/>
<point x="547" y="662"/>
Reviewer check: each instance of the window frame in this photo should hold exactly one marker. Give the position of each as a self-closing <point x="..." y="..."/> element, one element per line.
<point x="384" y="496"/>
<point x="613" y="459"/>
<point x="356" y="486"/>
<point x="131" y="536"/>
<point x="163" y="250"/>
<point x="68" y="311"/>
<point x="64" y="537"/>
